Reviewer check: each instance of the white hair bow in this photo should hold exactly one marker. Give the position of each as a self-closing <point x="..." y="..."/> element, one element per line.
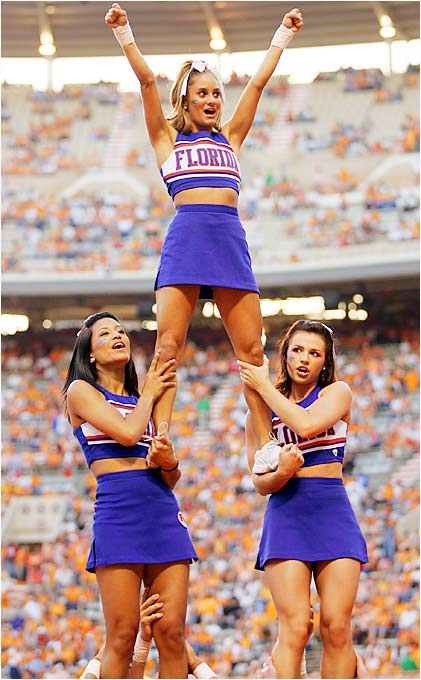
<point x="200" y="66"/>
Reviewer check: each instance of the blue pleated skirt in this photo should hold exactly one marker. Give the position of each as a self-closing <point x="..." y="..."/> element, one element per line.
<point x="206" y="245"/>
<point x="310" y="519"/>
<point x="137" y="520"/>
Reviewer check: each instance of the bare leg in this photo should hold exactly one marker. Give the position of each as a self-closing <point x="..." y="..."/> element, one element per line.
<point x="175" y="308"/>
<point x="119" y="587"/>
<point x="337" y="585"/>
<point x="289" y="584"/>
<point x="171" y="582"/>
<point x="240" y="312"/>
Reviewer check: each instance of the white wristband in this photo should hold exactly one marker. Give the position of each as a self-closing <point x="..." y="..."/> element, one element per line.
<point x="141" y="649"/>
<point x="282" y="37"/>
<point x="124" y="35"/>
<point x="203" y="671"/>
<point x="93" y="668"/>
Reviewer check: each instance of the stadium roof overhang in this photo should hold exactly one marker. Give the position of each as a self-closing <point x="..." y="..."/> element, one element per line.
<point x="174" y="27"/>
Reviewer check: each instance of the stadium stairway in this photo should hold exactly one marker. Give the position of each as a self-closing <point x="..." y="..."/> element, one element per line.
<point x="294" y="102"/>
<point x="408" y="472"/>
<point x="223" y="393"/>
<point x="121" y="138"/>
<point x="374" y="464"/>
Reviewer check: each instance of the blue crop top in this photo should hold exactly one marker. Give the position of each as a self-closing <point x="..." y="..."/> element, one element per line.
<point x="201" y="159"/>
<point x="96" y="445"/>
<point x="326" y="447"/>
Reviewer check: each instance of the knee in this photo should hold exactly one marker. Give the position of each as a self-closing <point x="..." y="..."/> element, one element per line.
<point x="123" y="639"/>
<point x="335" y="632"/>
<point x="169" y="345"/>
<point x="296" y="632"/>
<point x="252" y="352"/>
<point x="169" y="635"/>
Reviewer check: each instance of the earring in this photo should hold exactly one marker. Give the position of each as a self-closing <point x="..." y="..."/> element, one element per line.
<point x="92" y="360"/>
<point x="185" y="108"/>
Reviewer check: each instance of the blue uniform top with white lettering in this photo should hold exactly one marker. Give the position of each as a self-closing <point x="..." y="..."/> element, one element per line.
<point x="201" y="159"/>
<point x="326" y="447"/>
<point x="97" y="445"/>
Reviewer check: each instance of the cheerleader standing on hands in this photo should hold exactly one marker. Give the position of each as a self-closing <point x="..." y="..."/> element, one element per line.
<point x="205" y="252"/>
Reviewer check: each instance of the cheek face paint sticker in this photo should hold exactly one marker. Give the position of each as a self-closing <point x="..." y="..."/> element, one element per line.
<point x="101" y="341"/>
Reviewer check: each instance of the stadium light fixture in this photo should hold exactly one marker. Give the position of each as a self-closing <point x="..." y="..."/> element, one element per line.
<point x="217" y="41"/>
<point x="387" y="32"/>
<point x="306" y="305"/>
<point x="387" y="29"/>
<point x="385" y="20"/>
<point x="271" y="307"/>
<point x="330" y="314"/>
<point x="358" y="314"/>
<point x="207" y="309"/>
<point x="46" y="40"/>
<point x="216" y="312"/>
<point x="149" y="325"/>
<point x="264" y="337"/>
<point x="14" y="323"/>
<point x="47" y="49"/>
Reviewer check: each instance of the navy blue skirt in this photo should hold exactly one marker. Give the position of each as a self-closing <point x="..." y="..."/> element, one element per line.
<point x="206" y="245"/>
<point x="137" y="520"/>
<point x="310" y="519"/>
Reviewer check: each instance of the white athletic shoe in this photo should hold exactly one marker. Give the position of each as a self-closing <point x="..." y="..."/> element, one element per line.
<point x="266" y="459"/>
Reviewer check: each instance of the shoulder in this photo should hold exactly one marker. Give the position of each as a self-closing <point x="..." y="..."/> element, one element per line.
<point x="338" y="388"/>
<point x="80" y="388"/>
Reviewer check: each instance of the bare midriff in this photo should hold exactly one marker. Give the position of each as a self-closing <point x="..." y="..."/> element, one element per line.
<point x="213" y="195"/>
<point x="333" y="470"/>
<point x="107" y="465"/>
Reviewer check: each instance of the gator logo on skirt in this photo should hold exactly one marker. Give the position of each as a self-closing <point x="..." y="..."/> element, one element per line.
<point x="181" y="519"/>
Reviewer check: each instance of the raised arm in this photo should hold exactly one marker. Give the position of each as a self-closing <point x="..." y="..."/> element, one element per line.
<point x="159" y="130"/>
<point x="237" y="127"/>
<point x="333" y="404"/>
<point x="86" y="403"/>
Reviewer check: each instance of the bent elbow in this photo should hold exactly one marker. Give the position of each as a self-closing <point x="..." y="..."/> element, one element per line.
<point x="128" y="439"/>
<point x="308" y="432"/>
<point x="261" y="490"/>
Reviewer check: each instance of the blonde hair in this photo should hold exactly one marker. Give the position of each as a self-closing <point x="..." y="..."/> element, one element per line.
<point x="179" y="117"/>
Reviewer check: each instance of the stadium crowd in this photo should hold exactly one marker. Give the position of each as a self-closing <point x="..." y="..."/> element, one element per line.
<point x="51" y="616"/>
<point x="52" y="623"/>
<point x="67" y="133"/>
<point x="110" y="230"/>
